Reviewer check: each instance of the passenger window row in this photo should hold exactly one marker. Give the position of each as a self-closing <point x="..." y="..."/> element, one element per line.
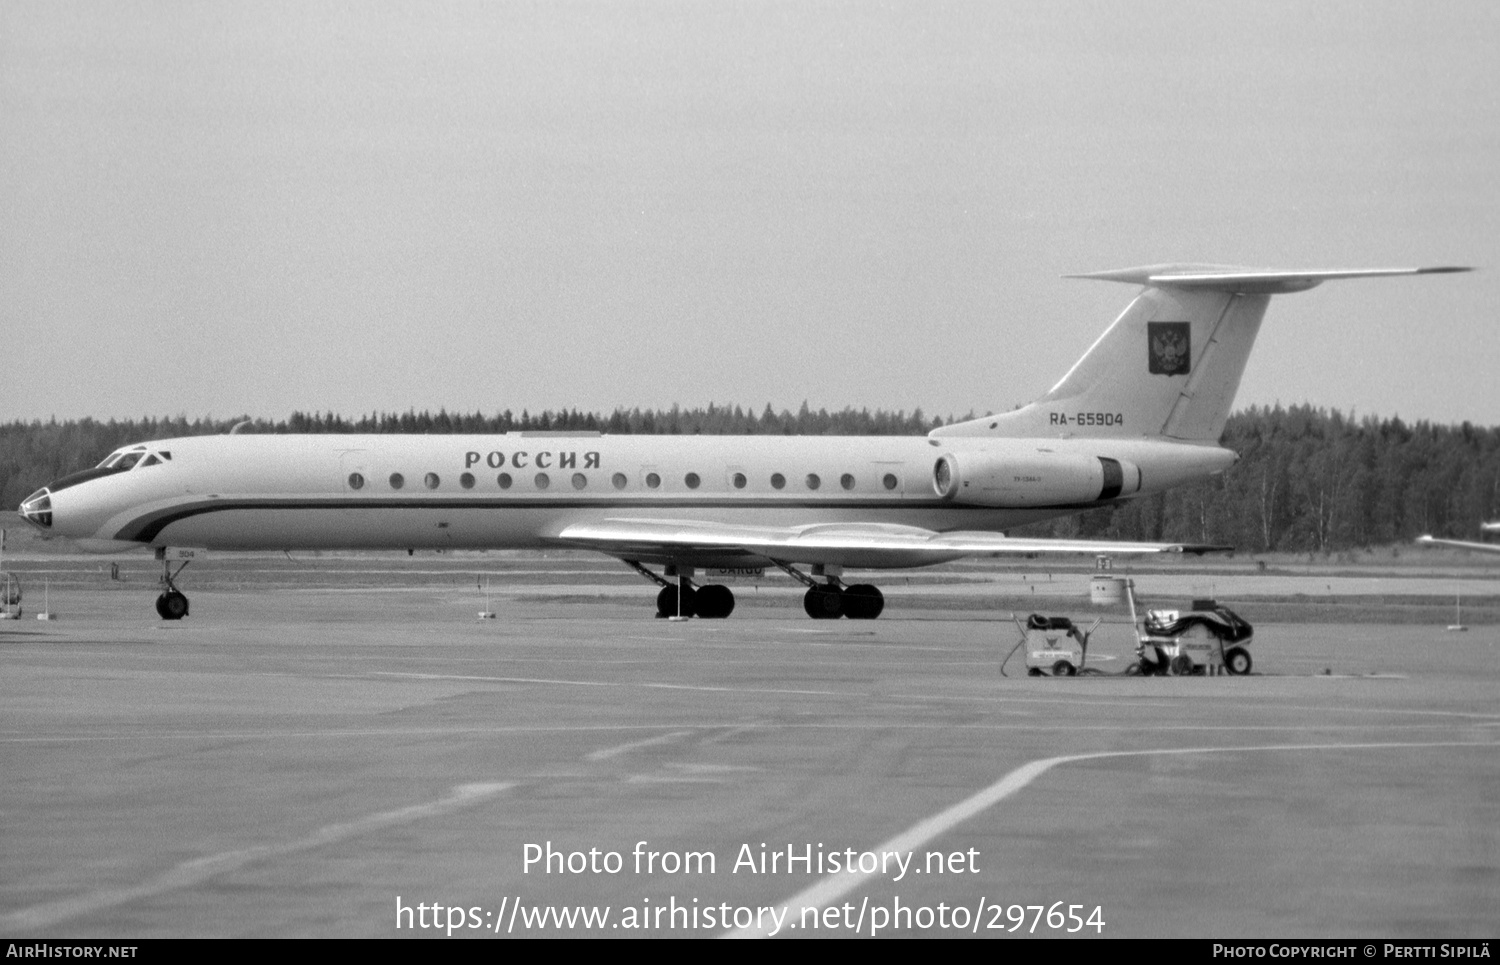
<point x="619" y="481"/>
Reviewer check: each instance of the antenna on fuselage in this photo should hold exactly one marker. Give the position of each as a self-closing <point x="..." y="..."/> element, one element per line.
<point x="240" y="427"/>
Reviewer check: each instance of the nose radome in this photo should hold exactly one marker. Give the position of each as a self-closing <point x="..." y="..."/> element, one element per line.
<point x="36" y="509"/>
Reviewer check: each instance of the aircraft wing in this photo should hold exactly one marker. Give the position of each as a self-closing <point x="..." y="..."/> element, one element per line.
<point x="874" y="545"/>
<point x="1461" y="544"/>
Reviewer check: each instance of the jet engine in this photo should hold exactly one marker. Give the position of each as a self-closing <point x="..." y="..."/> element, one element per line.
<point x="1032" y="479"/>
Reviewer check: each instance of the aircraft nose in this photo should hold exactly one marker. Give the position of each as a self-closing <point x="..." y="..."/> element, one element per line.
<point x="36" y="509"/>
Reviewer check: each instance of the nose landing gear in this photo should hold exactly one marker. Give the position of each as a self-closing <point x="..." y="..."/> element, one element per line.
<point x="172" y="604"/>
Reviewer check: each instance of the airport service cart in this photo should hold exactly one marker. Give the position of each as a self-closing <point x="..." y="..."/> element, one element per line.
<point x="1209" y="638"/>
<point x="1054" y="645"/>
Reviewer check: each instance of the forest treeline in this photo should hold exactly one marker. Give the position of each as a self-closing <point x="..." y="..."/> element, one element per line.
<point x="1308" y="480"/>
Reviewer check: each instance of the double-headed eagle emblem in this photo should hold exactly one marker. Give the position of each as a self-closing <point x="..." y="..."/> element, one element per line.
<point x="1170" y="348"/>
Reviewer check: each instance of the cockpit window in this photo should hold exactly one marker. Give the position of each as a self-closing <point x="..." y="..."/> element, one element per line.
<point x="150" y="460"/>
<point x="123" y="459"/>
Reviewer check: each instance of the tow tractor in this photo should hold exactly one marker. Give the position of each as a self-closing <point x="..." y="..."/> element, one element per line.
<point x="1053" y="645"/>
<point x="1205" y="639"/>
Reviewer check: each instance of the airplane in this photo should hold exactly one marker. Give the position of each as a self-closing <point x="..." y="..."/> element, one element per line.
<point x="1141" y="412"/>
<point x="1464" y="545"/>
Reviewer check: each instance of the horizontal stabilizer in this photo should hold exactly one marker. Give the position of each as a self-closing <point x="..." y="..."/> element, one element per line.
<point x="1249" y="281"/>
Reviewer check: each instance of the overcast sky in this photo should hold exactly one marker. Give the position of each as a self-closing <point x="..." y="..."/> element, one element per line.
<point x="245" y="207"/>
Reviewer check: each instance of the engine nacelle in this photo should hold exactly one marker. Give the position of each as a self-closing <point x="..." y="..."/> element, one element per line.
<point x="1032" y="479"/>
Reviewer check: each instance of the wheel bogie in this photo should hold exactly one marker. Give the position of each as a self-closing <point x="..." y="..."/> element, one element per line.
<point x="714" y="601"/>
<point x="824" y="602"/>
<point x="863" y="601"/>
<point x="667" y="605"/>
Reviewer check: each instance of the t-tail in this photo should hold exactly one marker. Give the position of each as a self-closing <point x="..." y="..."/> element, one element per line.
<point x="1169" y="366"/>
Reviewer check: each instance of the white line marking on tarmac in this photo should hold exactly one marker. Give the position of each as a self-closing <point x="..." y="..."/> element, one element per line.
<point x="618" y="749"/>
<point x="613" y="683"/>
<point x="198" y="870"/>
<point x="498" y="680"/>
<point x="1005" y="727"/>
<point x="836" y="886"/>
<point x="754" y="690"/>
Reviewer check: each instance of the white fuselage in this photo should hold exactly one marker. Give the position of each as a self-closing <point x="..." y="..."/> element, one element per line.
<point x="518" y="490"/>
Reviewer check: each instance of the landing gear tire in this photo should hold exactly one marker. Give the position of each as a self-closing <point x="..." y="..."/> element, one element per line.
<point x="863" y="602"/>
<point x="1237" y="661"/>
<point x="172" y="605"/>
<point x="666" y="602"/>
<point x="1182" y="665"/>
<point x="824" y="602"/>
<point x="714" y="602"/>
<point x="1064" y="669"/>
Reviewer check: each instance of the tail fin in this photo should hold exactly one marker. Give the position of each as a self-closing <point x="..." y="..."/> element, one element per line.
<point x="1170" y="365"/>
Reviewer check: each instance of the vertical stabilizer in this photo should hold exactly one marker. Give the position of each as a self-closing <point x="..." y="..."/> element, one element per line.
<point x="1170" y="365"/>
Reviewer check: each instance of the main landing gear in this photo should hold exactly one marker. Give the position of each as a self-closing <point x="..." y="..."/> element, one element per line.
<point x="173" y="603"/>
<point x="826" y="600"/>
<point x="833" y="598"/>
<point x="682" y="599"/>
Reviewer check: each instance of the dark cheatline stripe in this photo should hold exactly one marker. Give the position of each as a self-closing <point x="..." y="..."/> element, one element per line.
<point x="147" y="527"/>
<point x="73" y="479"/>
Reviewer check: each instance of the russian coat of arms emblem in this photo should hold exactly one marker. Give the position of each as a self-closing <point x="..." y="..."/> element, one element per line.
<point x="1170" y="347"/>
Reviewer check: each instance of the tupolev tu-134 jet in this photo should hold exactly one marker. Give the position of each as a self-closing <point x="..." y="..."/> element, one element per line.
<point x="1141" y="411"/>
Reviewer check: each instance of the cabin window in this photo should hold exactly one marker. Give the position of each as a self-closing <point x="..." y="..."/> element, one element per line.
<point x="739" y="480"/>
<point x="580" y="480"/>
<point x="692" y="480"/>
<point x="889" y="480"/>
<point x="504" y="480"/>
<point x="431" y="480"/>
<point x="813" y="482"/>
<point x="543" y="480"/>
<point x="356" y="481"/>
<point x="847" y="481"/>
<point x="466" y="480"/>
<point x="778" y="481"/>
<point x="397" y="481"/>
<point x="618" y="479"/>
<point x="653" y="480"/>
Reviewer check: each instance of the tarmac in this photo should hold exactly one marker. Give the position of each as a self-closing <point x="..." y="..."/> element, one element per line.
<point x="376" y="760"/>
